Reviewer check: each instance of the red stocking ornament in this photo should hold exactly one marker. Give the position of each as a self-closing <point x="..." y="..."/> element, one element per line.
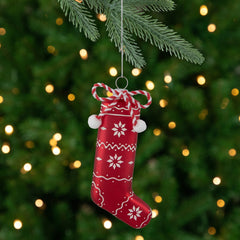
<point x="118" y="126"/>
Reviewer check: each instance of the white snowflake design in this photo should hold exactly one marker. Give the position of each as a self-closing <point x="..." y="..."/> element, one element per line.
<point x="134" y="213"/>
<point x="115" y="161"/>
<point x="119" y="129"/>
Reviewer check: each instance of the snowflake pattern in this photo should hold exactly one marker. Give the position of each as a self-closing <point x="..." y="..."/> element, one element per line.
<point x="119" y="129"/>
<point x="115" y="161"/>
<point x="134" y="213"/>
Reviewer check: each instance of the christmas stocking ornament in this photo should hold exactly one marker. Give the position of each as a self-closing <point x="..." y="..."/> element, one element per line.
<point x="118" y="126"/>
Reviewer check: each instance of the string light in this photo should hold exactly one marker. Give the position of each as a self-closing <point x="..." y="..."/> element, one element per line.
<point x="171" y="125"/>
<point x="113" y="71"/>
<point x="154" y="213"/>
<point x="6" y="148"/>
<point x="77" y="164"/>
<point x="9" y="129"/>
<point x="150" y="85"/>
<point x="83" y="54"/>
<point x="136" y="72"/>
<point x="2" y="31"/>
<point x="235" y="92"/>
<point x="212" y="27"/>
<point x="107" y="224"/>
<point x="163" y="103"/>
<point x="202" y="115"/>
<point x="157" y="132"/>
<point x="224" y="103"/>
<point x="51" y="49"/>
<point x="217" y="181"/>
<point x="203" y="10"/>
<point x="220" y="203"/>
<point x="49" y="88"/>
<point x="1" y="99"/>
<point x="211" y="230"/>
<point x="102" y="17"/>
<point x="52" y="142"/>
<point x="57" y="136"/>
<point x="185" y="152"/>
<point x="29" y="144"/>
<point x="158" y="199"/>
<point x="201" y="80"/>
<point x="39" y="203"/>
<point x="59" y="21"/>
<point x="139" y="237"/>
<point x="79" y="1"/>
<point x="17" y="224"/>
<point x="27" y="167"/>
<point x="71" y="97"/>
<point x="109" y="94"/>
<point x="56" y="150"/>
<point x="232" y="152"/>
<point x="167" y="78"/>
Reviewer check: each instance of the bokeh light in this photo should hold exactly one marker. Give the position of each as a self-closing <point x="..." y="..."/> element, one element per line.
<point x="9" y="129"/>
<point x="203" y="10"/>
<point x="17" y="224"/>
<point x="217" y="181"/>
<point x="83" y="54"/>
<point x="49" y="88"/>
<point x="211" y="28"/>
<point x="150" y="85"/>
<point x="113" y="71"/>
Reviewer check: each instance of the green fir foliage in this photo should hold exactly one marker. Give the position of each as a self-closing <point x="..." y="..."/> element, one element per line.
<point x="135" y="22"/>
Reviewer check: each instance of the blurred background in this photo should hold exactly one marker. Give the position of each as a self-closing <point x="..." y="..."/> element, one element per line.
<point x="187" y="164"/>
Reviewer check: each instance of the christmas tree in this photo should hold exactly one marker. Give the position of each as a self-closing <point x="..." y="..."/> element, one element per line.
<point x="187" y="161"/>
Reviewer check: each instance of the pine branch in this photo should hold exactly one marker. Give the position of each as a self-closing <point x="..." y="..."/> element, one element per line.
<point x="159" y="35"/>
<point x="135" y="21"/>
<point x="80" y="17"/>
<point x="131" y="50"/>
<point x="151" y="5"/>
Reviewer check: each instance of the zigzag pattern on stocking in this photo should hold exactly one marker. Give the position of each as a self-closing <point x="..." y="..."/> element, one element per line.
<point x="110" y="146"/>
<point x="112" y="178"/>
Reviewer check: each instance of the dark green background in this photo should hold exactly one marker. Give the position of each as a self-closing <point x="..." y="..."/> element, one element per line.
<point x="189" y="197"/>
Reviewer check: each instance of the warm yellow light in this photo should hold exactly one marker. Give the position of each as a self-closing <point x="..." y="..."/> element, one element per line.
<point x="172" y="125"/>
<point x="59" y="21"/>
<point x="154" y="213"/>
<point x="139" y="237"/>
<point x="1" y="99"/>
<point x="203" y="10"/>
<point x="56" y="150"/>
<point x="211" y="230"/>
<point x="109" y="94"/>
<point x="6" y="148"/>
<point x="113" y="71"/>
<point x="235" y="92"/>
<point x="83" y="54"/>
<point x="27" y="167"/>
<point x="239" y="118"/>
<point x="49" y="88"/>
<point x="39" y="203"/>
<point x="71" y="97"/>
<point x="163" y="103"/>
<point x="150" y="85"/>
<point x="185" y="152"/>
<point x="102" y="17"/>
<point x="17" y="224"/>
<point x="29" y="144"/>
<point x="52" y="142"/>
<point x="2" y="31"/>
<point x="201" y="80"/>
<point x="77" y="164"/>
<point x="51" y="49"/>
<point x="136" y="72"/>
<point x="202" y="115"/>
<point x="217" y="181"/>
<point x="157" y="132"/>
<point x="158" y="199"/>
<point x="79" y="1"/>
<point x="57" y="136"/>
<point x="167" y="78"/>
<point x="232" y="152"/>
<point x="220" y="203"/>
<point x="211" y="27"/>
<point x="107" y="224"/>
<point x="9" y="129"/>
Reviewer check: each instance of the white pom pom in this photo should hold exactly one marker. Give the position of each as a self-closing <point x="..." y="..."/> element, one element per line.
<point x="94" y="122"/>
<point x="140" y="126"/>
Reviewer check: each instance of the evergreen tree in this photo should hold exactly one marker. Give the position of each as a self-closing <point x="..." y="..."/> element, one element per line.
<point x="187" y="162"/>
